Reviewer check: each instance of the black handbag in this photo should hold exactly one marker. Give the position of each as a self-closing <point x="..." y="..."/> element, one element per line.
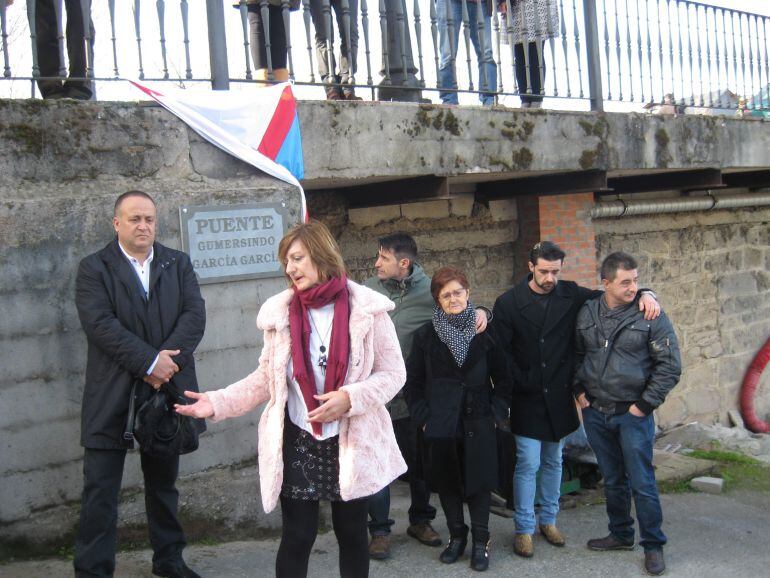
<point x="158" y="429"/>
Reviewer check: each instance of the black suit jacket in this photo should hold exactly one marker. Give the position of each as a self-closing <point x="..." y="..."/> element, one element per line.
<point x="541" y="359"/>
<point x="125" y="331"/>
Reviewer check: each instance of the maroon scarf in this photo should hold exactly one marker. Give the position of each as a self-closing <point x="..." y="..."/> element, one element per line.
<point x="335" y="289"/>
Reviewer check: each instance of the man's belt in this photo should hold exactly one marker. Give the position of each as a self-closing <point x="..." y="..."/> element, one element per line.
<point x="605" y="407"/>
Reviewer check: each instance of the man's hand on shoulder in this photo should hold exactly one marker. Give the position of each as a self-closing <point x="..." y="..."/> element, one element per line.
<point x="483" y="317"/>
<point x="650" y="306"/>
<point x="165" y="368"/>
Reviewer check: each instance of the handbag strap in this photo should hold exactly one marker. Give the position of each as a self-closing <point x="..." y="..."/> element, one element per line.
<point x="128" y="434"/>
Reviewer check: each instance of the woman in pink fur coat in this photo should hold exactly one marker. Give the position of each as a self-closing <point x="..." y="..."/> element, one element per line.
<point x="329" y="363"/>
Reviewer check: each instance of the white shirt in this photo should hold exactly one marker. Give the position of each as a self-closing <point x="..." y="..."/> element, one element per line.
<point x="320" y="334"/>
<point x="142" y="269"/>
<point x="143" y="272"/>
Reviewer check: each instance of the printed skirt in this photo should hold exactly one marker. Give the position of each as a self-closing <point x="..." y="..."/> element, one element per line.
<point x="311" y="467"/>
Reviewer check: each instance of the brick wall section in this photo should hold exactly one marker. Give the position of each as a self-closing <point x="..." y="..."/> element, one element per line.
<point x="565" y="220"/>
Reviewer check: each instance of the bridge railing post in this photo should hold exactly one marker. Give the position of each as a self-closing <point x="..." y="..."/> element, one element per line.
<point x="593" y="55"/>
<point x="220" y="73"/>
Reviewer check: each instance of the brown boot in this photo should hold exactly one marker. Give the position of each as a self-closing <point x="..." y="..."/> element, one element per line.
<point x="350" y="94"/>
<point x="333" y="93"/>
<point x="522" y="545"/>
<point x="425" y="534"/>
<point x="379" y="547"/>
<point x="552" y="534"/>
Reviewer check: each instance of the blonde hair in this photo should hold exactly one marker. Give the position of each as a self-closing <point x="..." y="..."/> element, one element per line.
<point x="321" y="247"/>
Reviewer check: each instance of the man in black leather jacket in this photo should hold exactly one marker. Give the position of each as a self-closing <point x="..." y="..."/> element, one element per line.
<point x="625" y="367"/>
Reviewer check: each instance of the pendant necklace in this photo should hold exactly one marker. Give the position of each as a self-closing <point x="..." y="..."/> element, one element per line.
<point x="322" y="359"/>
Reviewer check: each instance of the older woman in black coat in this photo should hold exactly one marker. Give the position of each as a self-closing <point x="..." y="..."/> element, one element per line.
<point x="452" y="398"/>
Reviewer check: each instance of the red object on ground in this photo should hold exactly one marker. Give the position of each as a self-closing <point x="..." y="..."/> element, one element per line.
<point x="749" y="388"/>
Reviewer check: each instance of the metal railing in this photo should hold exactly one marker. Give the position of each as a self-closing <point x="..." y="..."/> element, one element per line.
<point x="651" y="52"/>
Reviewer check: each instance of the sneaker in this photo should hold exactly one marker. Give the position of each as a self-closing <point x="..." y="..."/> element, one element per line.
<point x="552" y="534"/>
<point x="522" y="545"/>
<point x="424" y="533"/>
<point x="608" y="543"/>
<point x="379" y="547"/>
<point x="654" y="564"/>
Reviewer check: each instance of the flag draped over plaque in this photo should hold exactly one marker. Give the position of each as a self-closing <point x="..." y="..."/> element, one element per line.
<point x="260" y="126"/>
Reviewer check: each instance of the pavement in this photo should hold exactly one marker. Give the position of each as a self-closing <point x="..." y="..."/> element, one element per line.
<point x="709" y="536"/>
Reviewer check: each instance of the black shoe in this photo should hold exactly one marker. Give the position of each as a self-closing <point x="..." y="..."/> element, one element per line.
<point x="453" y="550"/>
<point x="77" y="92"/>
<point x="176" y="569"/>
<point x="480" y="554"/>
<point x="608" y="543"/>
<point x="654" y="564"/>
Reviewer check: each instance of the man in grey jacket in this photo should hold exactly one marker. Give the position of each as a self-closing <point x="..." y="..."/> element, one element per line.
<point x="626" y="367"/>
<point x="404" y="282"/>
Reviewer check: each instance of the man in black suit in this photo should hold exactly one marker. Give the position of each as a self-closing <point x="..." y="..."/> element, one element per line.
<point x="143" y="315"/>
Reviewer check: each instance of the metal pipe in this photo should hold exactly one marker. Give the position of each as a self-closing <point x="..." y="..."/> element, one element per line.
<point x="215" y="16"/>
<point x="593" y="58"/>
<point x="713" y="201"/>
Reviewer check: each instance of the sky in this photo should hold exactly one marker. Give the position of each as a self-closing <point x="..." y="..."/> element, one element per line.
<point x="633" y="75"/>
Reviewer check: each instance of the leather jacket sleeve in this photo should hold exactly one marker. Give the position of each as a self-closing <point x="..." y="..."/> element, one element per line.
<point x="663" y="347"/>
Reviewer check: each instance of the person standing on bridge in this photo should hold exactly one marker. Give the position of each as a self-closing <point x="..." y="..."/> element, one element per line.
<point x="626" y="365"/>
<point x="449" y="14"/>
<point x="276" y="49"/>
<point x="80" y="46"/>
<point x="533" y="22"/>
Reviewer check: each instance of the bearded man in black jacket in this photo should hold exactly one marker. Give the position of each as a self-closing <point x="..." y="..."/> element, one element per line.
<point x="143" y="315"/>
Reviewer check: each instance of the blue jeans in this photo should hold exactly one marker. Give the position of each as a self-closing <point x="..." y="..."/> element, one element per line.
<point x="533" y="455"/>
<point x="420" y="510"/>
<point x="447" y="77"/>
<point x="623" y="447"/>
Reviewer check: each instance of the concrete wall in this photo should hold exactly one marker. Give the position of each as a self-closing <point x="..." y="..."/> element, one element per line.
<point x="710" y="271"/>
<point x="60" y="172"/>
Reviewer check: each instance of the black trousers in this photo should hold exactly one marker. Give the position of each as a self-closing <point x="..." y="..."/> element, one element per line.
<point x="478" y="507"/>
<point x="48" y="57"/>
<point x="96" y="538"/>
<point x="300" y="527"/>
<point x="277" y="37"/>
<point x="530" y="91"/>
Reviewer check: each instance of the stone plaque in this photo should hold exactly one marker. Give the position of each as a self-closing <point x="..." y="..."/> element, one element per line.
<point x="233" y="242"/>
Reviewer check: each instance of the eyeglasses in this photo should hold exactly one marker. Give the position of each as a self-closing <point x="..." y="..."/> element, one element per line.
<point x="449" y="294"/>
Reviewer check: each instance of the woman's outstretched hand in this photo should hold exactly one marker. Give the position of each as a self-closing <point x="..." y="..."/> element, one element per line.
<point x="333" y="405"/>
<point x="201" y="408"/>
